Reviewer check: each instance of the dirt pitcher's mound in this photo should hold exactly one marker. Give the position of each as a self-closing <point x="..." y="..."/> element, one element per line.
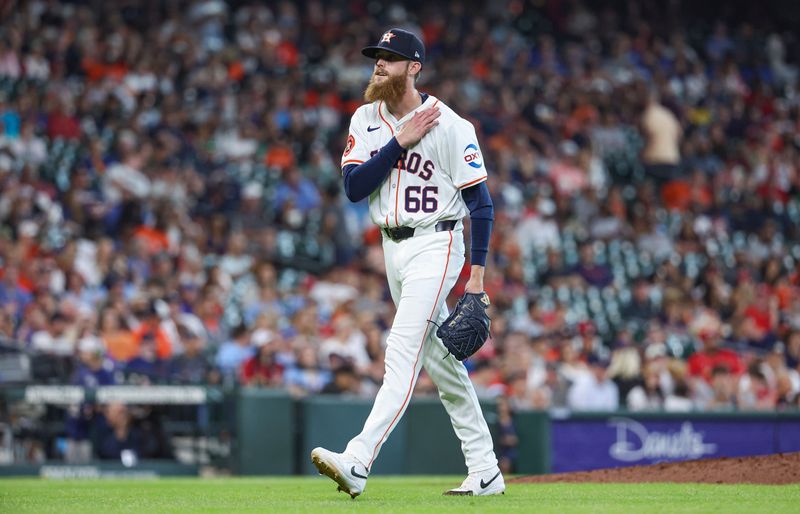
<point x="778" y="469"/>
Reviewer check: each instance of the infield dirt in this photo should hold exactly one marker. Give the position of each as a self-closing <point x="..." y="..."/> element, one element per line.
<point x="780" y="469"/>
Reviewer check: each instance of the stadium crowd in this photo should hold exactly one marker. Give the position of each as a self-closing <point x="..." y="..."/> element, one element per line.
<point x="172" y="212"/>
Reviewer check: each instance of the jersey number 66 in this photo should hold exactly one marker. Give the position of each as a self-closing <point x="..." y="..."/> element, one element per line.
<point x="421" y="198"/>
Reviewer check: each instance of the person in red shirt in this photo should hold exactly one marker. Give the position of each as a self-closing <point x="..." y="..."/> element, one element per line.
<point x="702" y="363"/>
<point x="261" y="369"/>
<point x="760" y="318"/>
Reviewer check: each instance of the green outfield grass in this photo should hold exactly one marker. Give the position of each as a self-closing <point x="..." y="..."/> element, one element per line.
<point x="384" y="495"/>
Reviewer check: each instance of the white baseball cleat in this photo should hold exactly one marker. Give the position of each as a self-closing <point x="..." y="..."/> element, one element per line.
<point x="350" y="474"/>
<point x="485" y="483"/>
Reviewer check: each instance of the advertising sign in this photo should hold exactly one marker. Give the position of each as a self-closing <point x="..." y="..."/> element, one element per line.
<point x="585" y="444"/>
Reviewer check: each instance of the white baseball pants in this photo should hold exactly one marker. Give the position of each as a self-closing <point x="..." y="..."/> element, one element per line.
<point x="421" y="271"/>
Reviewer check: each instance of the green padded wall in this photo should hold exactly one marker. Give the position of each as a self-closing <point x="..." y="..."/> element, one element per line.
<point x="533" y="450"/>
<point x="331" y="421"/>
<point x="266" y="438"/>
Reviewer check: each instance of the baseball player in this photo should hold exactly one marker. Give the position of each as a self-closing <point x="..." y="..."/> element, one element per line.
<point x="420" y="165"/>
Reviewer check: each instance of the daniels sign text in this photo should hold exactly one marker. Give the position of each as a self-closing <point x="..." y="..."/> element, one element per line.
<point x="584" y="442"/>
<point x="635" y="443"/>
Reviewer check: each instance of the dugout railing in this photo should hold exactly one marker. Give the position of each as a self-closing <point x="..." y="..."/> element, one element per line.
<point x="196" y="422"/>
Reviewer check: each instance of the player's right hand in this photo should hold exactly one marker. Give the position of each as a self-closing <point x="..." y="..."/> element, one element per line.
<point x="423" y="121"/>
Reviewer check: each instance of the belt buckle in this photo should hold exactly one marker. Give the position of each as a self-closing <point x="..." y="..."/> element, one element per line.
<point x="398" y="234"/>
<point x="390" y="234"/>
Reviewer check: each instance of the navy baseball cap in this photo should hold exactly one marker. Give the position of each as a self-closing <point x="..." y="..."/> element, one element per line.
<point x="400" y="42"/>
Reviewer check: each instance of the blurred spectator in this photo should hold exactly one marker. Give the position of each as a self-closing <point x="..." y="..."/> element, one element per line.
<point x="640" y="308"/>
<point x="625" y="368"/>
<point x="702" y="363"/>
<point x="150" y="330"/>
<point x="566" y="174"/>
<point x="755" y="391"/>
<point x="593" y="273"/>
<point x="723" y="389"/>
<point x="192" y="366"/>
<point x="680" y="399"/>
<point x="571" y="367"/>
<point x="556" y="387"/>
<point x="234" y="352"/>
<point x="296" y="192"/>
<point x="793" y="351"/>
<point x="507" y="436"/>
<point x="786" y="392"/>
<point x="147" y="367"/>
<point x="123" y="438"/>
<point x="120" y="343"/>
<point x="662" y="130"/>
<point x="12" y="294"/>
<point x="59" y="338"/>
<point x="347" y="342"/>
<point x="647" y="395"/>
<point x="345" y="381"/>
<point x="94" y="370"/>
<point x="262" y="369"/>
<point x="236" y="262"/>
<point x="487" y="380"/>
<point x="117" y="437"/>
<point x="760" y="318"/>
<point x="306" y="375"/>
<point x="594" y="391"/>
<point x="520" y="397"/>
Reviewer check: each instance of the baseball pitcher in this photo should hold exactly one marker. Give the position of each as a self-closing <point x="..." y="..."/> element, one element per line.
<point x="421" y="167"/>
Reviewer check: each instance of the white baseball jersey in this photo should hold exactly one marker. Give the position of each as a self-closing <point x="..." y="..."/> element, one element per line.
<point x="424" y="185"/>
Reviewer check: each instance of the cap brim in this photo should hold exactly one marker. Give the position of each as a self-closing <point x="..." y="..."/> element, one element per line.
<point x="372" y="53"/>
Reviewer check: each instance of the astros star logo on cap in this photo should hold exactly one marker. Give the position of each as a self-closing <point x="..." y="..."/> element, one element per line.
<point x="387" y="38"/>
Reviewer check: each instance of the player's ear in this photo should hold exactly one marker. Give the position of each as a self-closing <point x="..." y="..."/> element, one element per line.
<point x="414" y="68"/>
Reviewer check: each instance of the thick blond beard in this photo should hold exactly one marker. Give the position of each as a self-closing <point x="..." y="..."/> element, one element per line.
<point x="390" y="90"/>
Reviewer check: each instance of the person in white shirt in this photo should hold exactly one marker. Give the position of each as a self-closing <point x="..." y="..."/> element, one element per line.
<point x="347" y="342"/>
<point x="593" y="391"/>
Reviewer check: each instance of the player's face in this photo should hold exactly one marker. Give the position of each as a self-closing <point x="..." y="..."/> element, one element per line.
<point x="388" y="65"/>
<point x="389" y="78"/>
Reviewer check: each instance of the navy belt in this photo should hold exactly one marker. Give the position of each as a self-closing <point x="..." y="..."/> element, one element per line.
<point x="400" y="233"/>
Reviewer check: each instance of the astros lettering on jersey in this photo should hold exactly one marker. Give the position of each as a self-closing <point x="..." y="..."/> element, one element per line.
<point x="424" y="185"/>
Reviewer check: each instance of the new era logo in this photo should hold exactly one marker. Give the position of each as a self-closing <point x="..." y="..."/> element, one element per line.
<point x="416" y="54"/>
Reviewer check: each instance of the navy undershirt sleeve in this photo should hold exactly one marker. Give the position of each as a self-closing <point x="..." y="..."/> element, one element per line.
<point x="481" y="215"/>
<point x="362" y="179"/>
